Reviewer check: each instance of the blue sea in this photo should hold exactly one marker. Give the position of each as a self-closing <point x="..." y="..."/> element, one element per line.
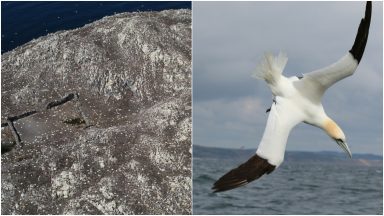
<point x="24" y="21"/>
<point x="296" y="187"/>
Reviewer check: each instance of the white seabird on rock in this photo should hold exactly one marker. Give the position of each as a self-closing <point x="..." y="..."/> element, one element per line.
<point x="297" y="99"/>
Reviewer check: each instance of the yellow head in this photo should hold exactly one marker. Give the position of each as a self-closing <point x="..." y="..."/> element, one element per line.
<point x="335" y="132"/>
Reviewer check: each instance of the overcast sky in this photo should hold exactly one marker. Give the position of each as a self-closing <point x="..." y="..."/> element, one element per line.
<point x="230" y="38"/>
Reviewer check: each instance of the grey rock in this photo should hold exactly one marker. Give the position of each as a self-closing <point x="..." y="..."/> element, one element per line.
<point x="132" y="72"/>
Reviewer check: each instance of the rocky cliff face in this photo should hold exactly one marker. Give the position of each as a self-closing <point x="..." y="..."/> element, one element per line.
<point x="132" y="72"/>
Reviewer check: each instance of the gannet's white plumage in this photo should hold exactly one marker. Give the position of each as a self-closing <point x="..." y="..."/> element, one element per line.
<point x="297" y="99"/>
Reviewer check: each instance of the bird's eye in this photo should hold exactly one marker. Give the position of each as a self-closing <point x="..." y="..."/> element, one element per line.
<point x="339" y="140"/>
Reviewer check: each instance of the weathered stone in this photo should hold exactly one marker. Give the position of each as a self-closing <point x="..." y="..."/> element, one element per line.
<point x="132" y="72"/>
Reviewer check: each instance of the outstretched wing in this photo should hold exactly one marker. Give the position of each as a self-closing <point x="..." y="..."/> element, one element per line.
<point x="317" y="82"/>
<point x="251" y="170"/>
<point x="270" y="153"/>
<point x="362" y="34"/>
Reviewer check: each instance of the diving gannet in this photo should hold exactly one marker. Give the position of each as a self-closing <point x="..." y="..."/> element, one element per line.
<point x="296" y="99"/>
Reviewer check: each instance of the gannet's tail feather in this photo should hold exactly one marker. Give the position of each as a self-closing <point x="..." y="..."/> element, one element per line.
<point x="271" y="67"/>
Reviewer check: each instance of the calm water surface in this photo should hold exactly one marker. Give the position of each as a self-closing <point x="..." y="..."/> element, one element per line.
<point x="294" y="188"/>
<point x="23" y="21"/>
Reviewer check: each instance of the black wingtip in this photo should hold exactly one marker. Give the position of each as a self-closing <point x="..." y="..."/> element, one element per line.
<point x="362" y="34"/>
<point x="249" y="171"/>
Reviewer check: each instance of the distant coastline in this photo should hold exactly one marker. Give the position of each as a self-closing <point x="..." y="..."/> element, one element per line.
<point x="303" y="183"/>
<point x="325" y="156"/>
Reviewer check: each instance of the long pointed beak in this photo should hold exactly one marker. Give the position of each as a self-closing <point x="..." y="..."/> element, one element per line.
<point x="344" y="146"/>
